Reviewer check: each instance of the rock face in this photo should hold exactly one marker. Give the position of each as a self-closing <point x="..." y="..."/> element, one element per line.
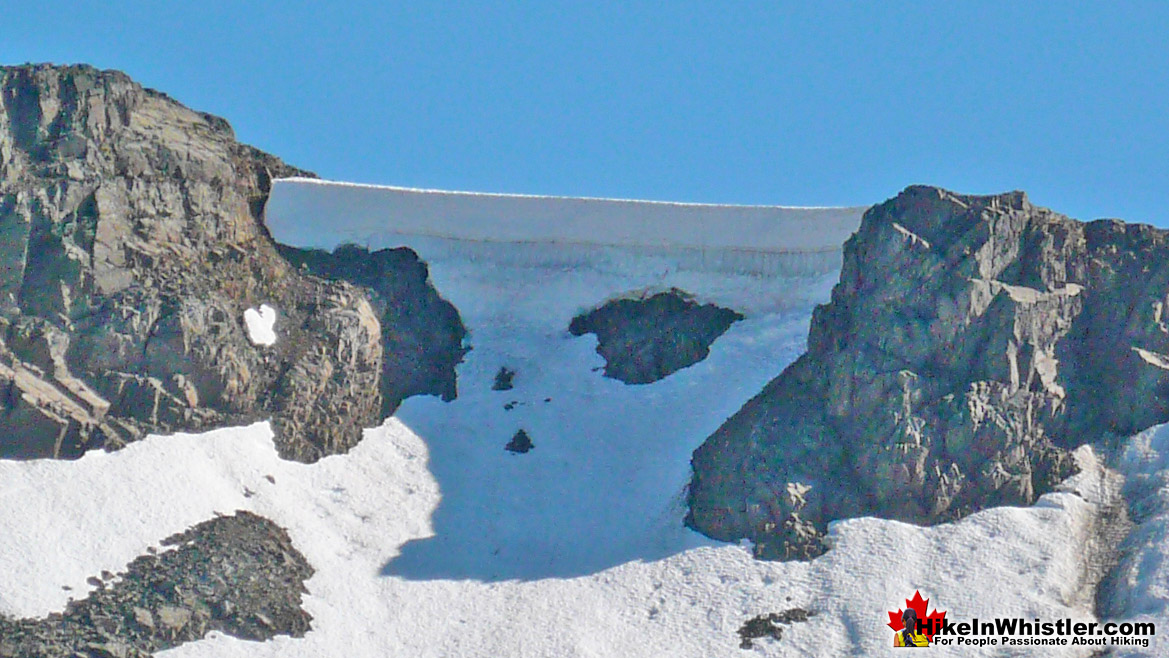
<point x="647" y="339"/>
<point x="422" y="337"/>
<point x="239" y="575"/>
<point x="504" y="379"/>
<point x="130" y="246"/>
<point x="970" y="344"/>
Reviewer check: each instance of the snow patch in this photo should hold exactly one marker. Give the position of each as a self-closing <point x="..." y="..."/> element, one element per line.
<point x="1140" y="585"/>
<point x="261" y="325"/>
<point x="348" y="514"/>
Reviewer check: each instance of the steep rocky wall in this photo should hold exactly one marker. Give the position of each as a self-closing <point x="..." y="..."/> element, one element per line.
<point x="970" y="344"/>
<point x="130" y="245"/>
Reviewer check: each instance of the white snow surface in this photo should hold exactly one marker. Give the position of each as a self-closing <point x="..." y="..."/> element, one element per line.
<point x="429" y="539"/>
<point x="261" y="324"/>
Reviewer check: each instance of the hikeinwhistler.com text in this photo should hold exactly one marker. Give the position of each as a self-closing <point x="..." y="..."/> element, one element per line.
<point x="1015" y="631"/>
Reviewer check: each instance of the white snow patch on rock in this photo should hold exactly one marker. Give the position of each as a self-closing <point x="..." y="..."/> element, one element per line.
<point x="261" y="325"/>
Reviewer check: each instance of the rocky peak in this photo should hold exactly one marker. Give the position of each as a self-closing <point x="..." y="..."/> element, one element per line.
<point x="132" y="244"/>
<point x="971" y="342"/>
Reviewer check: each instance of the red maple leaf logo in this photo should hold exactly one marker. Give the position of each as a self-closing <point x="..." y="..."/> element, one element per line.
<point x="919" y="606"/>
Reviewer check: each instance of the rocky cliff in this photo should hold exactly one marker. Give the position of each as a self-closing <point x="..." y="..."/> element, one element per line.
<point x="971" y="343"/>
<point x="130" y="246"/>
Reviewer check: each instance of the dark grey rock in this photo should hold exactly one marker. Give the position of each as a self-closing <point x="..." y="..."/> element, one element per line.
<point x="647" y="339"/>
<point x="422" y="333"/>
<point x="130" y="246"/>
<point x="769" y="626"/>
<point x="504" y="379"/>
<point x="520" y="443"/>
<point x="970" y="344"/>
<point x="239" y="575"/>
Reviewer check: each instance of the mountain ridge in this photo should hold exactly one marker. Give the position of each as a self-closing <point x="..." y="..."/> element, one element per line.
<point x="963" y="382"/>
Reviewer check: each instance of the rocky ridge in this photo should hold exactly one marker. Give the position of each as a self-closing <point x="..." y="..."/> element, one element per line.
<point x="971" y="343"/>
<point x="131" y="244"/>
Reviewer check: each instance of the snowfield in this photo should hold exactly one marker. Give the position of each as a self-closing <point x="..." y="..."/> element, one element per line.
<point x="430" y="539"/>
<point x="351" y="514"/>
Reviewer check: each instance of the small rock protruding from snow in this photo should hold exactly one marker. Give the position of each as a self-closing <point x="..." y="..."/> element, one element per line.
<point x="520" y="443"/>
<point x="768" y="625"/>
<point x="261" y="325"/>
<point x="504" y="379"/>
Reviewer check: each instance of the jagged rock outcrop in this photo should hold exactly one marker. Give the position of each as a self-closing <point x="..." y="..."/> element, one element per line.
<point x="647" y="339"/>
<point x="422" y="338"/>
<point x="970" y="344"/>
<point x="504" y="379"/>
<point x="130" y="246"/>
<point x="239" y="575"/>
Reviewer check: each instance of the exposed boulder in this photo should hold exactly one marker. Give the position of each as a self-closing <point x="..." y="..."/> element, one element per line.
<point x="239" y="575"/>
<point x="504" y="379"/>
<point x="970" y="344"/>
<point x="520" y="443"/>
<point x="645" y="339"/>
<point x="130" y="247"/>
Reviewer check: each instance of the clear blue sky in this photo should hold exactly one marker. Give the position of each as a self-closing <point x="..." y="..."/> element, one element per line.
<point x="808" y="103"/>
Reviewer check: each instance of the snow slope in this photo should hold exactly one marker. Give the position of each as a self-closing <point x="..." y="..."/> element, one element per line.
<point x="349" y="514"/>
<point x="430" y="539"/>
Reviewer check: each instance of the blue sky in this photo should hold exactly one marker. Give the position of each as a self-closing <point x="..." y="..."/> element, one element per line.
<point x="805" y="103"/>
